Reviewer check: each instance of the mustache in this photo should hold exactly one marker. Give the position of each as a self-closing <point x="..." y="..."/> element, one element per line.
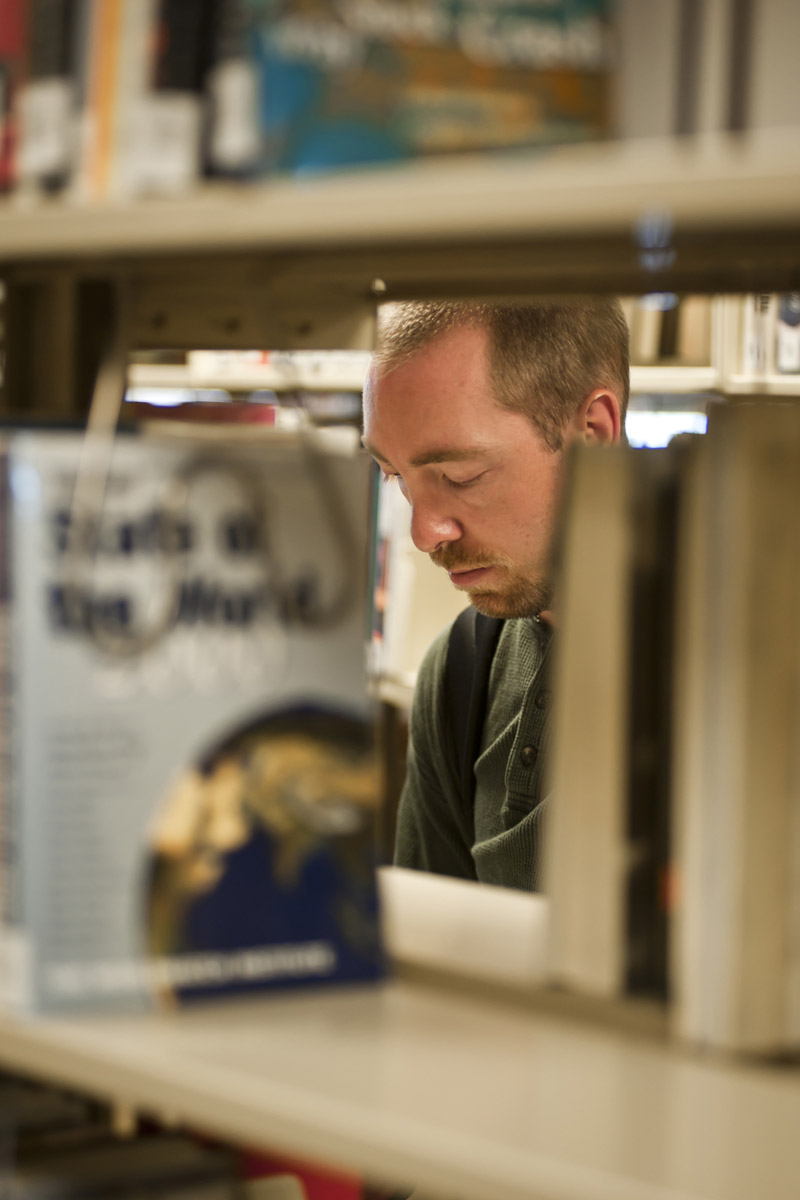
<point x="457" y="558"/>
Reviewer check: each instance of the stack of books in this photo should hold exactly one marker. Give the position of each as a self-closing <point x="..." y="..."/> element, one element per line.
<point x="674" y="865"/>
<point x="118" y="98"/>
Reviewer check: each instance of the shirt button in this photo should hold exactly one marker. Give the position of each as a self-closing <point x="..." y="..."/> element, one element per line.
<point x="543" y="699"/>
<point x="528" y="755"/>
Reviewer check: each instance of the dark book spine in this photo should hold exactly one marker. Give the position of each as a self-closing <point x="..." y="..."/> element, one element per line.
<point x="232" y="142"/>
<point x="183" y="46"/>
<point x="649" y="783"/>
<point x="47" y="109"/>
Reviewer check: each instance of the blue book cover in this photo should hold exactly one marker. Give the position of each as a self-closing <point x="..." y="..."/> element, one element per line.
<point x="343" y="84"/>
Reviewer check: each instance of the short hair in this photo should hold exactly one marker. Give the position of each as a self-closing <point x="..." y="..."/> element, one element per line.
<point x="544" y="358"/>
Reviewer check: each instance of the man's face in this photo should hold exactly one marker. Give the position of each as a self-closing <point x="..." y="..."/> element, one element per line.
<point x="482" y="485"/>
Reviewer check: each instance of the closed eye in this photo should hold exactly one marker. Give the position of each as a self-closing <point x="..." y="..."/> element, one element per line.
<point x="464" y="483"/>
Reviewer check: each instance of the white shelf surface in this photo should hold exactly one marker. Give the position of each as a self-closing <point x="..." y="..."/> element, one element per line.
<point x="458" y="1096"/>
<point x="770" y="385"/>
<point x="244" y="377"/>
<point x="673" y="380"/>
<point x="670" y="380"/>
<point x="708" y="183"/>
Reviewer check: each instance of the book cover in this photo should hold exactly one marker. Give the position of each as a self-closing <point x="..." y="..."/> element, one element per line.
<point x="344" y="84"/>
<point x="189" y="782"/>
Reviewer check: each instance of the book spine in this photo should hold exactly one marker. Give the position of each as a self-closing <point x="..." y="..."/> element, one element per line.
<point x="15" y="951"/>
<point x="13" y="55"/>
<point x="648" y="822"/>
<point x="170" y="122"/>
<point x="47" y="124"/>
<point x="758" y="331"/>
<point x="694" y="331"/>
<point x="586" y="852"/>
<point x="787" y="334"/>
<point x="233" y="141"/>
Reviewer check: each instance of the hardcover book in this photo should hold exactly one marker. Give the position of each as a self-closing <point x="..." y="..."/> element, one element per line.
<point x="379" y="81"/>
<point x="188" y="776"/>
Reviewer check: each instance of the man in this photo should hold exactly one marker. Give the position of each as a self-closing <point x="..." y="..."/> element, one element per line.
<point x="472" y="409"/>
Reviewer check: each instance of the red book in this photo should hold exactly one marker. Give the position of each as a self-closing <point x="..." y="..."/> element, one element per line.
<point x="13" y="56"/>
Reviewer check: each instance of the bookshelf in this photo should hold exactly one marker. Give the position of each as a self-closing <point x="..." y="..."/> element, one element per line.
<point x="458" y="1095"/>
<point x="720" y="214"/>
<point x="421" y="1080"/>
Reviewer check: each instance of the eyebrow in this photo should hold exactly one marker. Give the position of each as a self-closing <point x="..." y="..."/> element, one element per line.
<point x="435" y="455"/>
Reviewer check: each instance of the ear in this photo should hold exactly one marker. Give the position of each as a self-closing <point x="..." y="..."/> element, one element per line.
<point x="598" y="418"/>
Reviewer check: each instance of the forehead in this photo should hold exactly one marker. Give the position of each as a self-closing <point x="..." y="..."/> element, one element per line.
<point x="441" y="388"/>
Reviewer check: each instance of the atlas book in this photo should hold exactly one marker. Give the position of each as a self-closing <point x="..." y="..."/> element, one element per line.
<point x="188" y="777"/>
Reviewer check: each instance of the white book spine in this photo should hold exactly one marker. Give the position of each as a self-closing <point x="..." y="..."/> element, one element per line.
<point x="15" y="947"/>
<point x="586" y="858"/>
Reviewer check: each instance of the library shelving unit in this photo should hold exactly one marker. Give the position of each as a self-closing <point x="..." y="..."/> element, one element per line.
<point x="433" y="1079"/>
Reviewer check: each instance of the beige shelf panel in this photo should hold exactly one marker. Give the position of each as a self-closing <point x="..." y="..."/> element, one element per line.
<point x="301" y="264"/>
<point x="770" y="385"/>
<point x="717" y="212"/>
<point x="711" y="183"/>
<point x="673" y="380"/>
<point x="461" y="1097"/>
<point x="246" y="377"/>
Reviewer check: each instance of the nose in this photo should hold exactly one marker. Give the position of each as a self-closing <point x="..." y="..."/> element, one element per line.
<point x="431" y="527"/>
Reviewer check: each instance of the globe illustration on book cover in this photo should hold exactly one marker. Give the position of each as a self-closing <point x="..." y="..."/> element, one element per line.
<point x="267" y="848"/>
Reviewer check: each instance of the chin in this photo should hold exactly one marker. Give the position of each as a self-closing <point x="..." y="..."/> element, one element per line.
<point x="528" y="602"/>
<point x="490" y="605"/>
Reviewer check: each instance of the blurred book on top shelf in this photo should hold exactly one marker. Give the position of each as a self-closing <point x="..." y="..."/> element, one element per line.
<point x="132" y="97"/>
<point x="378" y="82"/>
<point x="13" y="53"/>
<point x="787" y="334"/>
<point x="137" y="407"/>
<point x="259" y="385"/>
<point x="189" y="776"/>
<point x="669" y="329"/>
<point x="763" y="336"/>
<point x="673" y="869"/>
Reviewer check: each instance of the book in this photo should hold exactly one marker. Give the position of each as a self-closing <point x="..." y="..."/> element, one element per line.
<point x="694" y="331"/>
<point x="646" y="324"/>
<point x="144" y="70"/>
<point x="189" y="784"/>
<point x="47" y="123"/>
<point x="758" y="334"/>
<point x="585" y="861"/>
<point x="170" y="114"/>
<point x="360" y="83"/>
<point x="609" y="834"/>
<point x="232" y="140"/>
<point x="787" y="334"/>
<point x="13" y="69"/>
<point x="736" y="765"/>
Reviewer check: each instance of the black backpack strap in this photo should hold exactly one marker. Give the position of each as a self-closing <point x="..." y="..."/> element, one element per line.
<point x="470" y="651"/>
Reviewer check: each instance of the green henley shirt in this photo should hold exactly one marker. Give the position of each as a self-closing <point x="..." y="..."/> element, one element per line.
<point x="504" y="844"/>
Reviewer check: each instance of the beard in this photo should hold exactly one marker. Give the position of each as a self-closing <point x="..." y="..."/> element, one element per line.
<point x="521" y="597"/>
<point x="516" y="593"/>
